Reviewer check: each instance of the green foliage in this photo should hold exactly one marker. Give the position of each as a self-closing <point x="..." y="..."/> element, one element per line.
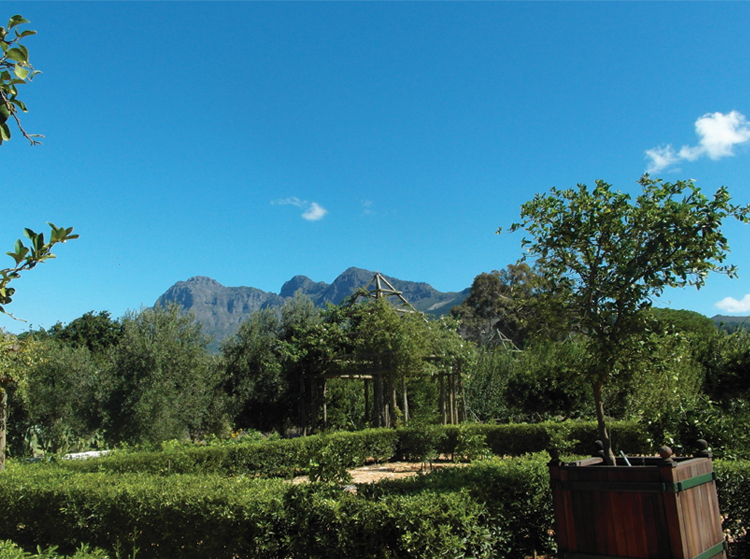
<point x="617" y="255"/>
<point x="60" y="398"/>
<point x="27" y="257"/>
<point x="9" y="550"/>
<point x="546" y="382"/>
<point x="474" y="512"/>
<point x="485" y="385"/>
<point x="161" y="383"/>
<point x="15" y="70"/>
<point x="729" y="377"/>
<point x="253" y="373"/>
<point x="490" y="508"/>
<point x="515" y="494"/>
<point x="508" y="307"/>
<point x="733" y="487"/>
<point x="95" y="331"/>
<point x="471" y="445"/>
<point x="421" y="443"/>
<point x="726" y="427"/>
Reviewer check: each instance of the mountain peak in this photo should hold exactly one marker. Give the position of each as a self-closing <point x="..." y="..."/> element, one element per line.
<point x="222" y="309"/>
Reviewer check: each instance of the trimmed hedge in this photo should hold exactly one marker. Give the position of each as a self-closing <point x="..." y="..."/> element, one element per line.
<point x="213" y="516"/>
<point x="9" y="550"/>
<point x="498" y="508"/>
<point x="327" y="457"/>
<point x="733" y="486"/>
<point x="517" y="439"/>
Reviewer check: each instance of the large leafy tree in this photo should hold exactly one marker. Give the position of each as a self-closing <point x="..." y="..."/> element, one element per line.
<point x="617" y="253"/>
<point x="512" y="306"/>
<point x="161" y="383"/>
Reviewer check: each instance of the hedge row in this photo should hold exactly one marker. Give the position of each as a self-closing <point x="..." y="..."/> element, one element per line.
<point x="494" y="508"/>
<point x="10" y="550"/>
<point x="327" y="457"/>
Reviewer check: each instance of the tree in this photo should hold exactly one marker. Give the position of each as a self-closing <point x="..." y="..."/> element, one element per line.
<point x="512" y="306"/>
<point x="617" y="254"/>
<point x="15" y="70"/>
<point x="95" y="331"/>
<point x="60" y="397"/>
<point x="161" y="383"/>
<point x="254" y="379"/>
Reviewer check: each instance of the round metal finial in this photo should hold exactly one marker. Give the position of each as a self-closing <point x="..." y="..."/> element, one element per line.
<point x="702" y="449"/>
<point x="598" y="448"/>
<point x="666" y="454"/>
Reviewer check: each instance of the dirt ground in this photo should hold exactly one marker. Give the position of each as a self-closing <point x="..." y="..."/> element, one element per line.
<point x="371" y="473"/>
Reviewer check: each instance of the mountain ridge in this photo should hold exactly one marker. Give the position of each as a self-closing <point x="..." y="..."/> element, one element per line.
<point x="221" y="309"/>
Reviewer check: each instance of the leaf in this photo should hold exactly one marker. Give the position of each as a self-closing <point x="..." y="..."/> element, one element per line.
<point x="17" y="55"/>
<point x="20" y="104"/>
<point x="26" y="33"/>
<point x="16" y="20"/>
<point x="21" y="72"/>
<point x="4" y="131"/>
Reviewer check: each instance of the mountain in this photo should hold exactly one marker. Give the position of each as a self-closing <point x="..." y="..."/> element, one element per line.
<point x="221" y="309"/>
<point x="731" y="323"/>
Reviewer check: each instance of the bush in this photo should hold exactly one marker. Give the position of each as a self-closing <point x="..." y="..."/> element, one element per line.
<point x="733" y="486"/>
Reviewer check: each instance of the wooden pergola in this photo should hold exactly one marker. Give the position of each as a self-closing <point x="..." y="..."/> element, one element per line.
<point x="380" y="379"/>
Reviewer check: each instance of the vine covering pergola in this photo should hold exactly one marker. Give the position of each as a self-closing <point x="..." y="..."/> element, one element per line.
<point x="384" y="405"/>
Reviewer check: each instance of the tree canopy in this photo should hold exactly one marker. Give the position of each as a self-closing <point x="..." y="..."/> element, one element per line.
<point x="617" y="254"/>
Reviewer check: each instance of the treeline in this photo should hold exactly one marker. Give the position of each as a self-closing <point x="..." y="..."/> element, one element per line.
<point x="149" y="376"/>
<point x="510" y="353"/>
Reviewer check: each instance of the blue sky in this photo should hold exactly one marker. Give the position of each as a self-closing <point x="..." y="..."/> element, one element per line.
<point x="251" y="142"/>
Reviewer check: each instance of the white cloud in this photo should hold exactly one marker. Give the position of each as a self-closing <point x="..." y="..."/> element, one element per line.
<point x="294" y="201"/>
<point x="717" y="133"/>
<point x="661" y="158"/>
<point x="313" y="210"/>
<point x="730" y="304"/>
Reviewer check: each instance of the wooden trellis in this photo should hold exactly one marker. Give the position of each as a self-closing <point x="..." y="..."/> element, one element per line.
<point x="380" y="383"/>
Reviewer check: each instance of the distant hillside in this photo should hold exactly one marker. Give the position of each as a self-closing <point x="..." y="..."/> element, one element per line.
<point x="731" y="323"/>
<point x="221" y="309"/>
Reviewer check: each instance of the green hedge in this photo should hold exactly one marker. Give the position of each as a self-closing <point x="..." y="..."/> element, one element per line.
<point x="10" y="550"/>
<point x="214" y="516"/>
<point x="576" y="437"/>
<point x="733" y="486"/>
<point x="327" y="457"/>
<point x="497" y="508"/>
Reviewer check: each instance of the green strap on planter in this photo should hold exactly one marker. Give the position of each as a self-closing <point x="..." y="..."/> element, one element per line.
<point x="715" y="550"/>
<point x="692" y="482"/>
<point x="644" y="487"/>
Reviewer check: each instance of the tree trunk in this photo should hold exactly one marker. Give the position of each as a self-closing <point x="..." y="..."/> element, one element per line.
<point x="3" y="424"/>
<point x="325" y="404"/>
<point x="378" y="401"/>
<point x="609" y="456"/>
<point x="302" y="419"/>
<point x="406" y="401"/>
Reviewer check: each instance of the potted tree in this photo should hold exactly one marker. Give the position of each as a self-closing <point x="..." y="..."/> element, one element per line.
<point x="616" y="254"/>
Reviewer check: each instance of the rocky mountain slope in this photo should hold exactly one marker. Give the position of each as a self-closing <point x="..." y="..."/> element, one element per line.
<point x="221" y="309"/>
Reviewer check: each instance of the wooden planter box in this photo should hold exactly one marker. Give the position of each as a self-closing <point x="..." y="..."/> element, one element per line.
<point x="656" y="509"/>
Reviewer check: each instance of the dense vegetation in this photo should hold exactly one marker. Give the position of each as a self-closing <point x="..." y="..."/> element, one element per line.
<point x="149" y="377"/>
<point x="197" y="479"/>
